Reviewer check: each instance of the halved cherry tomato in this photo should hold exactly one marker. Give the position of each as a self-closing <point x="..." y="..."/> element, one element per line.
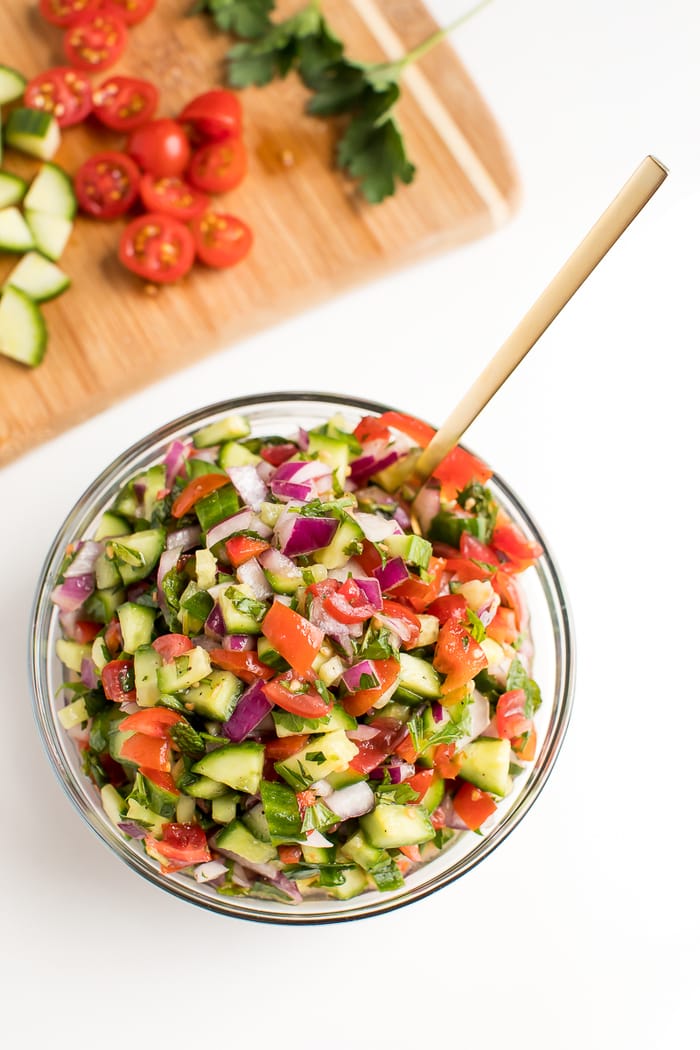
<point x="157" y="248"/>
<point x="386" y="672"/>
<point x="159" y="147"/>
<point x="299" y="698"/>
<point x="289" y="854"/>
<point x="284" y="746"/>
<point x="421" y="782"/>
<point x="518" y="549"/>
<point x="197" y="489"/>
<point x="447" y="606"/>
<point x="106" y="185"/>
<point x="86" y="631"/>
<point x="218" y="166"/>
<point x="63" y="91"/>
<point x="160" y="778"/>
<point x="420" y="593"/>
<point x="245" y="666"/>
<point x="457" y="655"/>
<point x="118" y="680"/>
<point x="132" y="11"/>
<point x="348" y="604"/>
<point x="408" y="620"/>
<point x="214" y="115"/>
<point x="65" y="13"/>
<point x="503" y="628"/>
<point x="473" y="806"/>
<point x="152" y="721"/>
<point x="447" y="763"/>
<point x="525" y="746"/>
<point x="124" y="103"/>
<point x="241" y="549"/>
<point x="170" y="646"/>
<point x="221" y="240"/>
<point x="148" y="751"/>
<point x="511" y="720"/>
<point x="170" y="195"/>
<point x="295" y="638"/>
<point x="370" y="429"/>
<point x="96" y="42"/>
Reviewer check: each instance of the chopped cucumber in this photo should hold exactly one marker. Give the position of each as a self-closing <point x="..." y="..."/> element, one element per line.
<point x="240" y="766"/>
<point x="12" y="189"/>
<point x="15" y="234"/>
<point x="34" y="132"/>
<point x="328" y="753"/>
<point x="136" y="622"/>
<point x="345" y="543"/>
<point x="50" y="232"/>
<point x="38" y="278"/>
<point x="237" y="839"/>
<point x="223" y="808"/>
<point x="291" y="725"/>
<point x="113" y="804"/>
<point x="234" y="455"/>
<point x="206" y="788"/>
<point x="12" y="85"/>
<point x="391" y="826"/>
<point x="23" y="334"/>
<point x="146" y="664"/>
<point x="486" y="764"/>
<point x="111" y="525"/>
<point x="184" y="671"/>
<point x="216" y="697"/>
<point x="221" y="431"/>
<point x="137" y="555"/>
<point x="354" y="882"/>
<point x="417" y="677"/>
<point x="52" y="193"/>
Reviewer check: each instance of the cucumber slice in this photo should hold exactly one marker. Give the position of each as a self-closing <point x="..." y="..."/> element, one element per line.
<point x="12" y="189"/>
<point x="40" y="279"/>
<point x="239" y="766"/>
<point x="52" y="193"/>
<point x="15" y="235"/>
<point x="12" y="84"/>
<point x="486" y="763"/>
<point x="221" y="431"/>
<point x="392" y="826"/>
<point x="33" y="132"/>
<point x="51" y="233"/>
<point x="23" y="334"/>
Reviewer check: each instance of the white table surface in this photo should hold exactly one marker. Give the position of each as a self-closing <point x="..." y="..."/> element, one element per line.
<point x="583" y="928"/>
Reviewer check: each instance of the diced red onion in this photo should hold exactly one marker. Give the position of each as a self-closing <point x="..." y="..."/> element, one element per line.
<point x="425" y="506"/>
<point x="400" y="771"/>
<point x="352" y="801"/>
<point x="168" y="561"/>
<point x="487" y="612"/>
<point x="303" y="439"/>
<point x="175" y="462"/>
<point x="211" y="869"/>
<point x="376" y="527"/>
<point x="299" y="535"/>
<point x="352" y="677"/>
<point x="88" y="673"/>
<point x="398" y="627"/>
<point x="84" y="561"/>
<point x="371" y="589"/>
<point x="135" y="590"/>
<point x="292" y="490"/>
<point x="68" y="621"/>
<point x="322" y="788"/>
<point x="278" y="564"/>
<point x="363" y="732"/>
<point x="287" y="886"/>
<point x="266" y="870"/>
<point x="439" y="713"/>
<point x="244" y="521"/>
<point x="129" y="707"/>
<point x="131" y="828"/>
<point x="329" y="625"/>
<point x="205" y="642"/>
<point x="351" y="568"/>
<point x="480" y="712"/>
<point x="183" y="538"/>
<point x="249" y="484"/>
<point x="265" y="470"/>
<point x="252" y="576"/>
<point x="249" y="712"/>
<point x="214" y="625"/>
<point x="450" y="816"/>
<point x="240" y="876"/>
<point x="391" y="574"/>
<point x="73" y="592"/>
<point x="375" y="494"/>
<point x="402" y="519"/>
<point x="238" y="643"/>
<point x="363" y="468"/>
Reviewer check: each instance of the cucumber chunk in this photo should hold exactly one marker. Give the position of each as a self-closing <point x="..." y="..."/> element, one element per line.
<point x="12" y="85"/>
<point x="50" y="232"/>
<point x="136" y="622"/>
<point x="237" y="839"/>
<point x="328" y="753"/>
<point x="486" y="764"/>
<point x="33" y="132"/>
<point x="23" y="334"/>
<point x="38" y="278"/>
<point x="392" y="826"/>
<point x="418" y="677"/>
<point x="216" y="697"/>
<point x="240" y="766"/>
<point x="347" y="541"/>
<point x="15" y="234"/>
<point x="52" y="193"/>
<point x="137" y="555"/>
<point x="222" y="431"/>
<point x="12" y="189"/>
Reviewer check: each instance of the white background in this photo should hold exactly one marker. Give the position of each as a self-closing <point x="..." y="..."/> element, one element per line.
<point x="583" y="928"/>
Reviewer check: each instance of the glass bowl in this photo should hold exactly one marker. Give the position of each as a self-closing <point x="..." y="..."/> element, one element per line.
<point x="551" y="630"/>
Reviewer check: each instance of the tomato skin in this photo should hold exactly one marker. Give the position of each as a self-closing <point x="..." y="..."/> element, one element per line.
<point x="370" y="429"/>
<point x="197" y="489"/>
<point x="152" y="721"/>
<point x="520" y="552"/>
<point x="215" y="115"/>
<point x="359" y="703"/>
<point x="160" y="147"/>
<point x="447" y="606"/>
<point x="160" y="778"/>
<point x="446" y="762"/>
<point x="417" y="592"/>
<point x="170" y="195"/>
<point x="372" y="753"/>
<point x="63" y="91"/>
<point x="170" y="646"/>
<point x="297" y="640"/>
<point x="113" y="637"/>
<point x="245" y="666"/>
<point x="65" y="13"/>
<point x="503" y="628"/>
<point x="118" y="680"/>
<point x="473" y="806"/>
<point x="95" y="42"/>
<point x="457" y="655"/>
<point x="525" y="746"/>
<point x="511" y="720"/>
<point x="221" y="240"/>
<point x="157" y="248"/>
<point x="421" y="782"/>
<point x="308" y="704"/>
<point x="148" y="751"/>
<point x="241" y="549"/>
<point x="124" y="103"/>
<point x="100" y="178"/>
<point x="277" y="750"/>
<point x="86" y="631"/>
<point x="410" y="621"/>
<point x="131" y="11"/>
<point x="348" y="603"/>
<point x="182" y="844"/>
<point x="218" y="166"/>
<point x="278" y="454"/>
<point x="507" y="589"/>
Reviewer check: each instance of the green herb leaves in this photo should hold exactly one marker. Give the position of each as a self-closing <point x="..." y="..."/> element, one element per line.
<point x="246" y="18"/>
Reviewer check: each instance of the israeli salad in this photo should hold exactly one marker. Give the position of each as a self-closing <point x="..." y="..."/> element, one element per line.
<point x="278" y="686"/>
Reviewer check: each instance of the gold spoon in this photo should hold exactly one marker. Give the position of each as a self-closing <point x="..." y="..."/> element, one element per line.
<point x="636" y="192"/>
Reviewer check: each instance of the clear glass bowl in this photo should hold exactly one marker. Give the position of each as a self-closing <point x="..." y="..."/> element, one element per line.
<point x="551" y="631"/>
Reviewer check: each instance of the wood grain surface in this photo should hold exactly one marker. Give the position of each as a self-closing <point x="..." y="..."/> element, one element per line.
<point x="110" y="334"/>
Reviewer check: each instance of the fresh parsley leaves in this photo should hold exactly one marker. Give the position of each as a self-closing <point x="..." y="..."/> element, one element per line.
<point x="245" y="18"/>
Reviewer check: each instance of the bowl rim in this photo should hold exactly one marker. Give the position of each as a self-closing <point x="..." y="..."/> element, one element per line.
<point x="43" y="610"/>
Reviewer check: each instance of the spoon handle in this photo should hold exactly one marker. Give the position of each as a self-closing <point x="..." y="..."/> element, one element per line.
<point x="636" y="192"/>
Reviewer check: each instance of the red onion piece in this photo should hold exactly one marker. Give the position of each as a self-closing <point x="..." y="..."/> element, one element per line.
<point x="252" y="576"/>
<point x="402" y="519"/>
<point x="303" y="439"/>
<point x="287" y="886"/>
<point x="352" y="801"/>
<point x="439" y="713"/>
<point x="73" y="592"/>
<point x="248" y="483"/>
<point x="279" y="564"/>
<point x="398" y="627"/>
<point x="88" y="673"/>
<point x="68" y="621"/>
<point x="451" y="818"/>
<point x="168" y="561"/>
<point x="376" y="527"/>
<point x="299" y="535"/>
<point x="363" y="468"/>
<point x="371" y="589"/>
<point x="214" y="626"/>
<point x="211" y="869"/>
<point x="363" y="732"/>
<point x="183" y="538"/>
<point x="131" y="828"/>
<point x="329" y="625"/>
<point x="84" y="561"/>
<point x="425" y="506"/>
<point x="175" y="462"/>
<point x="238" y="643"/>
<point x="249" y="712"/>
<point x="245" y="521"/>
<point x="352" y="677"/>
<point x="391" y="574"/>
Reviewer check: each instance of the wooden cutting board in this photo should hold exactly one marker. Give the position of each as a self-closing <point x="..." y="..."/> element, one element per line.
<point x="110" y="335"/>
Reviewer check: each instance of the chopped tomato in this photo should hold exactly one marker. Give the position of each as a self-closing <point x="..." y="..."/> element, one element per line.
<point x="149" y="751"/>
<point x="276" y="750"/>
<point x="348" y="604"/>
<point x="511" y="720"/>
<point x="170" y="646"/>
<point x="213" y="116"/>
<point x="297" y="640"/>
<point x="197" y="489"/>
<point x="438" y="819"/>
<point x="63" y="91"/>
<point x="184" y="844"/>
<point x="447" y="606"/>
<point x="525" y="746"/>
<point x="447" y="763"/>
<point x="457" y="655"/>
<point x="406" y="750"/>
<point x="85" y="631"/>
<point x="65" y="13"/>
<point x="118" y="680"/>
<point x="124" y="103"/>
<point x="218" y="166"/>
<point x="245" y="665"/>
<point x="372" y="752"/>
<point x="113" y="637"/>
<point x="221" y="240"/>
<point x="278" y="454"/>
<point x="170" y="195"/>
<point x="420" y="593"/>
<point x="161" y="779"/>
<point x="289" y="854"/>
<point x="113" y="771"/>
<point x="412" y="853"/>
<point x="387" y="673"/>
<point x="370" y="429"/>
<point x="299" y="698"/>
<point x="457" y="469"/>
<point x="152" y="721"/>
<point x="96" y="42"/>
<point x="106" y="185"/>
<point x="473" y="806"/>
<point x="407" y="619"/>
<point x="369" y="558"/>
<point x="508" y="590"/>
<point x="132" y="11"/>
<point x="157" y="248"/>
<point x="518" y="549"/>
<point x="241" y="549"/>
<point x="503" y="628"/>
<point x="421" y="782"/>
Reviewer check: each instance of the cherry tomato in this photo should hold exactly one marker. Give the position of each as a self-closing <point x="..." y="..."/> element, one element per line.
<point x="473" y="806"/>
<point x="118" y="680"/>
<point x="214" y="115"/>
<point x="218" y="166"/>
<point x="170" y="195"/>
<point x="157" y="248"/>
<point x="63" y="91"/>
<point x="65" y="13"/>
<point x="124" y="103"/>
<point x="106" y="185"/>
<point x="276" y="750"/>
<point x="386" y="672"/>
<point x="86" y="631"/>
<point x="148" y="751"/>
<point x="131" y="11"/>
<point x="221" y="240"/>
<point x="160" y="147"/>
<point x="457" y="656"/>
<point x="348" y="603"/>
<point x="96" y="42"/>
